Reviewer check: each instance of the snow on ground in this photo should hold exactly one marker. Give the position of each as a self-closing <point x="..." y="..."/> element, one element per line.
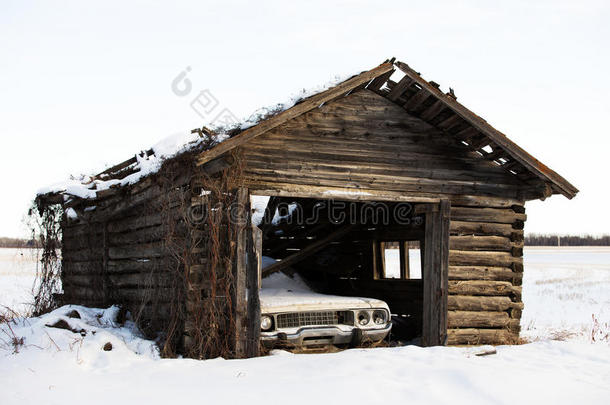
<point x="17" y="274"/>
<point x="562" y="288"/>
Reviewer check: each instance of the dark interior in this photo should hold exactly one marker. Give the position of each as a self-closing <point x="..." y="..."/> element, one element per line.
<point x="368" y="249"/>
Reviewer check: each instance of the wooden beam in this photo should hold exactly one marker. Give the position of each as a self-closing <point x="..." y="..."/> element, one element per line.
<point x="254" y="253"/>
<point x="400" y="88"/>
<point x="299" y="109"/>
<point x="240" y="274"/>
<point x="416" y="100"/>
<point x="377" y="83"/>
<point x="308" y="251"/>
<point x="435" y="274"/>
<point x="512" y="149"/>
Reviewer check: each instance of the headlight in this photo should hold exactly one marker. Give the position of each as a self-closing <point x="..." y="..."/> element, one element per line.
<point x="380" y="317"/>
<point x="266" y="322"/>
<point x="363" y="318"/>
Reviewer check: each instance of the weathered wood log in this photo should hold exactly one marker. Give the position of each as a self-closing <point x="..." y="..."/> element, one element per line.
<point x="471" y="336"/>
<point x="481" y="303"/>
<point x="478" y="319"/>
<point x="272" y="178"/>
<point x="77" y="268"/>
<point x="142" y="265"/>
<point x="84" y="255"/>
<point x="79" y="280"/>
<point x="142" y="235"/>
<point x="474" y="258"/>
<point x="143" y="250"/>
<point x="134" y="222"/>
<point x="142" y="295"/>
<point x="145" y="280"/>
<point x="410" y="166"/>
<point x="492" y="215"/>
<point x="472" y="242"/>
<point x="483" y="287"/>
<point x="483" y="273"/>
<point x="435" y="271"/>
<point x="488" y="202"/>
<point x="481" y="228"/>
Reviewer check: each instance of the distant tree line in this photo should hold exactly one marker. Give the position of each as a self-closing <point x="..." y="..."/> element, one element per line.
<point x="535" y="239"/>
<point x="17" y="243"/>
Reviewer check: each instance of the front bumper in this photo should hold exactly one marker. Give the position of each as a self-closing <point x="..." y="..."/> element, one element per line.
<point x="311" y="336"/>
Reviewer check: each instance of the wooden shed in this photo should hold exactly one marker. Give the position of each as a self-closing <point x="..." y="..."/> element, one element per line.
<point x="384" y="160"/>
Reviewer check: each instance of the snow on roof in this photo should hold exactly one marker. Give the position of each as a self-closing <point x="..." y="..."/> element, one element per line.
<point x="87" y="186"/>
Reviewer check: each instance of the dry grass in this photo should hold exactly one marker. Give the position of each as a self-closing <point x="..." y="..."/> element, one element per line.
<point x="8" y="339"/>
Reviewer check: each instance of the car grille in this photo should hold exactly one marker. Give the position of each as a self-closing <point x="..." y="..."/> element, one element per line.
<point x="297" y="319"/>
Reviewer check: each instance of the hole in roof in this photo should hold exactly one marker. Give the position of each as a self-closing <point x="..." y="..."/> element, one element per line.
<point x="513" y="172"/>
<point x="487" y="148"/>
<point x="397" y="75"/>
<point x="479" y="153"/>
<point x="502" y="160"/>
<point x="465" y="143"/>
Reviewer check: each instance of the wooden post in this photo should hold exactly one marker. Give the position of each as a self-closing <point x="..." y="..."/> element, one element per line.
<point x="242" y="219"/>
<point x="436" y="269"/>
<point x="254" y="268"/>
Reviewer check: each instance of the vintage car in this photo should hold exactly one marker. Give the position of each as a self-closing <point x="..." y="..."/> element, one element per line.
<point x="294" y="316"/>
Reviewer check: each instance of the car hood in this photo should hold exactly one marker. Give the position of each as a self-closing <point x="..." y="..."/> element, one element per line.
<point x="281" y="293"/>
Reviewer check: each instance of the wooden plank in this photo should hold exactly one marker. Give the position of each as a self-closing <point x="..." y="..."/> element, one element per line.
<point x="482" y="228"/>
<point x="435" y="272"/>
<point x="399" y="88"/>
<point x="484" y="243"/>
<point x="308" y="251"/>
<point x="416" y="100"/>
<point x="413" y="168"/>
<point x="481" y="303"/>
<point x="478" y="319"/>
<point x="512" y="149"/>
<point x="492" y="215"/>
<point x="137" y="251"/>
<point x="483" y="201"/>
<point x="483" y="273"/>
<point x="379" y="81"/>
<point x="283" y="189"/>
<point x="472" y="336"/>
<point x="299" y="109"/>
<point x="483" y="287"/>
<point x="241" y="273"/>
<point x="432" y="111"/>
<point x="475" y="258"/>
<point x="254" y="270"/>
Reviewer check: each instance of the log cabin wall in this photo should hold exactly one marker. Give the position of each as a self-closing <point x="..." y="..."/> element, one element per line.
<point x="369" y="145"/>
<point x="485" y="271"/>
<point x="127" y="251"/>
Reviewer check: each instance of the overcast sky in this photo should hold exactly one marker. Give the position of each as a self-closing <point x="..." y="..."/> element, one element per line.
<point x="84" y="85"/>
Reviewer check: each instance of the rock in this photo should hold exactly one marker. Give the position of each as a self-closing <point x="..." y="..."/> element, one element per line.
<point x="61" y="324"/>
<point x="107" y="347"/>
<point x="73" y="314"/>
